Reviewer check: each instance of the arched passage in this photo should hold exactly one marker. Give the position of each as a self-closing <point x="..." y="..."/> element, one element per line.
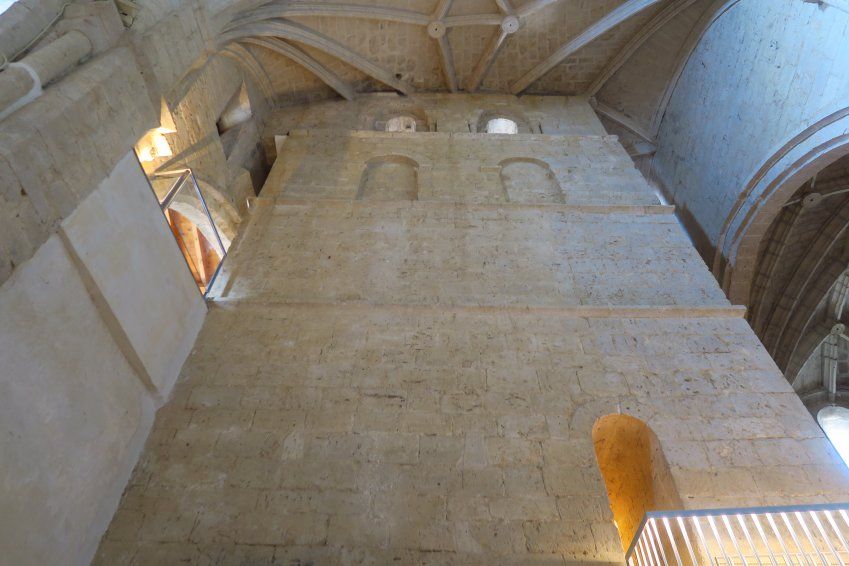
<point x="529" y="180"/>
<point x="763" y="197"/>
<point x="636" y="474"/>
<point x="391" y="177"/>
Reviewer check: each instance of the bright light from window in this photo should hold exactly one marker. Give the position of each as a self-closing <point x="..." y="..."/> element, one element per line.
<point x="401" y="124"/>
<point x="6" y="4"/>
<point x="502" y="126"/>
<point x="835" y="422"/>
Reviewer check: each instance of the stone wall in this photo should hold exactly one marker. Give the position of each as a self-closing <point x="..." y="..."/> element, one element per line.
<point x="763" y="72"/>
<point x="456" y="168"/>
<point x="98" y="308"/>
<point x="55" y="150"/>
<point x="417" y="380"/>
<point x="476" y="256"/>
<point x="556" y="115"/>
<point x="96" y="326"/>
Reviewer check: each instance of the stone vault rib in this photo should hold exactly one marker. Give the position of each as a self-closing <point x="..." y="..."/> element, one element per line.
<point x="333" y="10"/>
<point x="298" y="56"/>
<point x="302" y="34"/>
<point x="596" y="30"/>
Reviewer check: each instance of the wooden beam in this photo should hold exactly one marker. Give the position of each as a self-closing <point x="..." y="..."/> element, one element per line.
<point x="474" y="20"/>
<point x="485" y="62"/>
<point x="253" y="67"/>
<point x="442" y="9"/>
<point x="446" y="59"/>
<point x="664" y="17"/>
<point x="596" y="30"/>
<point x="506" y="7"/>
<point x="624" y="121"/>
<point x="437" y="30"/>
<point x="297" y="32"/>
<point x="287" y="10"/>
<point x="642" y="149"/>
<point x="534" y="6"/>
<point x="301" y="58"/>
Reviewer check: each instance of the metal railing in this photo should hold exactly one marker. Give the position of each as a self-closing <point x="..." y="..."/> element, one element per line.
<point x="811" y="535"/>
<point x="186" y="198"/>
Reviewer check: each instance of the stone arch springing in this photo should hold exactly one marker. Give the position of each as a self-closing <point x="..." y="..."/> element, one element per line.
<point x="798" y="288"/>
<point x="529" y="180"/>
<point x="389" y="177"/>
<point x="761" y="200"/>
<point x="635" y="471"/>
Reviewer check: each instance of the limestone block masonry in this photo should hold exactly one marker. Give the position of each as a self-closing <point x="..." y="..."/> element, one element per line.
<point x="414" y="381"/>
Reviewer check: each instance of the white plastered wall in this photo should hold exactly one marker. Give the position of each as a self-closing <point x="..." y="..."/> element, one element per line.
<point x="95" y="327"/>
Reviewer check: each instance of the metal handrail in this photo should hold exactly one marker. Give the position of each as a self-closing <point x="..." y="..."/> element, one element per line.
<point x="666" y="538"/>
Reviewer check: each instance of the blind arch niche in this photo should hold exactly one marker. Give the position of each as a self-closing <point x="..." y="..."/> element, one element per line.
<point x="529" y="180"/>
<point x="389" y="177"/>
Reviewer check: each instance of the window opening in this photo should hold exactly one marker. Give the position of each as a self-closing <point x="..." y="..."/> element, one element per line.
<point x="194" y="229"/>
<point x="502" y="126"/>
<point x="401" y="124"/>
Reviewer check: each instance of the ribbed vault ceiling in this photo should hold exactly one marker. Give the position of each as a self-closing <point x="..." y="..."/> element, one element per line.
<point x="314" y="49"/>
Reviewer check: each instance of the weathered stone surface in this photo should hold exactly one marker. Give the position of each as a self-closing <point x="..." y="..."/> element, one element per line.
<point x="74" y="415"/>
<point x="96" y="326"/>
<point x="61" y="146"/>
<point x="415" y="381"/>
<point x="425" y="254"/>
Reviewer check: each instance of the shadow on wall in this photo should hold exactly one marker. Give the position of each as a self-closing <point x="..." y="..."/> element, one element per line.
<point x="635" y="471"/>
<point x="391" y="177"/>
<point x="530" y="180"/>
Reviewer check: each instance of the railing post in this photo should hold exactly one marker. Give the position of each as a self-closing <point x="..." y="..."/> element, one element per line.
<point x="791" y="541"/>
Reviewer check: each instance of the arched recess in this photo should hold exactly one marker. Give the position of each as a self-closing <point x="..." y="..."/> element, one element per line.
<point x="522" y="123"/>
<point x="389" y="177"/>
<point x="763" y="196"/>
<point x="379" y="119"/>
<point x="529" y="180"/>
<point x="635" y="471"/>
<point x="402" y="123"/>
